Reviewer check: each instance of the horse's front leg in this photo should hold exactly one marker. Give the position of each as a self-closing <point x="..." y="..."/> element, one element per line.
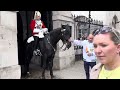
<point x="43" y="73"/>
<point x="51" y="70"/>
<point x="44" y="66"/>
<point x="51" y="66"/>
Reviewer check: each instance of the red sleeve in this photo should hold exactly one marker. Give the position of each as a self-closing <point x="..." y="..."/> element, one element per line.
<point x="32" y="25"/>
<point x="43" y="26"/>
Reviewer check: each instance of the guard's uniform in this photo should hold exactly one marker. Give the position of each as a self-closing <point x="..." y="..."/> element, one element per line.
<point x="34" y="24"/>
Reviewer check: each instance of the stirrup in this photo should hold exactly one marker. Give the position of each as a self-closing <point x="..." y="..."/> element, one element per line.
<point x="35" y="52"/>
<point x="39" y="53"/>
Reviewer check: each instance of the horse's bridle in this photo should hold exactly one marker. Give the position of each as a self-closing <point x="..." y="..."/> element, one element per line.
<point x="64" y="42"/>
<point x="62" y="31"/>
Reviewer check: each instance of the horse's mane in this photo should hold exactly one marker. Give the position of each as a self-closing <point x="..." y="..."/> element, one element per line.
<point x="54" y="35"/>
<point x="55" y="30"/>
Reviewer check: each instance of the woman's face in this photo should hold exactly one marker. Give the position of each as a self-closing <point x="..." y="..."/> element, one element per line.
<point x="104" y="48"/>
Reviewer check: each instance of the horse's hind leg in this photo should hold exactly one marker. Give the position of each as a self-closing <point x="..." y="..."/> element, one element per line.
<point x="27" y="62"/>
<point x="27" y="69"/>
<point x="28" y="57"/>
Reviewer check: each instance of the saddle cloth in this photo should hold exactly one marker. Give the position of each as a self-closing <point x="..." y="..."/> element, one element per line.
<point x="30" y="39"/>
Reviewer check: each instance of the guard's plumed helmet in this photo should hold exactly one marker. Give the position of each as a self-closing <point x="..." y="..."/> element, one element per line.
<point x="37" y="13"/>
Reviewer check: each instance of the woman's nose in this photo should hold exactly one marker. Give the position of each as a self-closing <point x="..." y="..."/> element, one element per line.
<point x="97" y="50"/>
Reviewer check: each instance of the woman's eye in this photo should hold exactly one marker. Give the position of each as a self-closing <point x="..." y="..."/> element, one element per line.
<point x="103" y="45"/>
<point x="95" y="46"/>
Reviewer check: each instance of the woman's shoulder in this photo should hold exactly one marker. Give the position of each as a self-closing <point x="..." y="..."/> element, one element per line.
<point x="97" y="66"/>
<point x="95" y="71"/>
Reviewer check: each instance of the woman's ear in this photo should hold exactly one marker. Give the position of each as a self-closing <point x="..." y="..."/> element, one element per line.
<point x="118" y="48"/>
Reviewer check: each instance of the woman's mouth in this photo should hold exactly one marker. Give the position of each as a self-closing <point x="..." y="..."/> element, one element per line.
<point x="100" y="57"/>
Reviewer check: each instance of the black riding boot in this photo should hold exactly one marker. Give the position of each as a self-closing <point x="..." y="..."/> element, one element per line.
<point x="36" y="44"/>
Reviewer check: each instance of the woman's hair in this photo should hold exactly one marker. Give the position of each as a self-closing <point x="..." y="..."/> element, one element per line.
<point x="115" y="36"/>
<point x="114" y="33"/>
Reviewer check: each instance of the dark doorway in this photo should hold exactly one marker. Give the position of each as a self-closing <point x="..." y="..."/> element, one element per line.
<point x="23" y="31"/>
<point x="46" y="17"/>
<point x="20" y="38"/>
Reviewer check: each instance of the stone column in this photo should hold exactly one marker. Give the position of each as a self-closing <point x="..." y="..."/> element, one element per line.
<point x="9" y="68"/>
<point x="63" y="59"/>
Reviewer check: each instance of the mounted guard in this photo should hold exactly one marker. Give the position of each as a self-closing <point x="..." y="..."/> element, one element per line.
<point x="38" y="31"/>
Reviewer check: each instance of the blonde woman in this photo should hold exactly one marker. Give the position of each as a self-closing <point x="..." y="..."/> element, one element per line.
<point x="107" y="49"/>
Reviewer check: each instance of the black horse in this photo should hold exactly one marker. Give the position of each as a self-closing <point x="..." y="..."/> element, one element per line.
<point x="48" y="47"/>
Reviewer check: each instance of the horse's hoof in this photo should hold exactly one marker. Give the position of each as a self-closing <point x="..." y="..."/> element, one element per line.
<point x="42" y="77"/>
<point x="28" y="74"/>
<point x="53" y="77"/>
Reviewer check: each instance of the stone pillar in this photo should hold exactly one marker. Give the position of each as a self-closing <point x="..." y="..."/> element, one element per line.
<point x="109" y="18"/>
<point x="63" y="59"/>
<point x="9" y="68"/>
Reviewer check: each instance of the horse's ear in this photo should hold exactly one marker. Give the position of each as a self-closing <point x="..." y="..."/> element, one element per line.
<point x="67" y="24"/>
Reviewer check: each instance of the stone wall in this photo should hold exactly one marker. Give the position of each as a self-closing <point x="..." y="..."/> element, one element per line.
<point x="63" y="59"/>
<point x="9" y="67"/>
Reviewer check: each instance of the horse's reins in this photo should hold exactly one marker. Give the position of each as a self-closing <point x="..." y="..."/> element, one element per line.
<point x="50" y="44"/>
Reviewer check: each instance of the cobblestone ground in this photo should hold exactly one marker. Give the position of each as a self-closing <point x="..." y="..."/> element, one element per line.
<point x="76" y="71"/>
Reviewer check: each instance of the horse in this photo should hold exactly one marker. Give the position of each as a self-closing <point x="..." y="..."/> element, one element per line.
<point x="49" y="48"/>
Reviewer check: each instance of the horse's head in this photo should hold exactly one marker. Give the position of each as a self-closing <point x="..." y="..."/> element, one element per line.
<point x="66" y="35"/>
